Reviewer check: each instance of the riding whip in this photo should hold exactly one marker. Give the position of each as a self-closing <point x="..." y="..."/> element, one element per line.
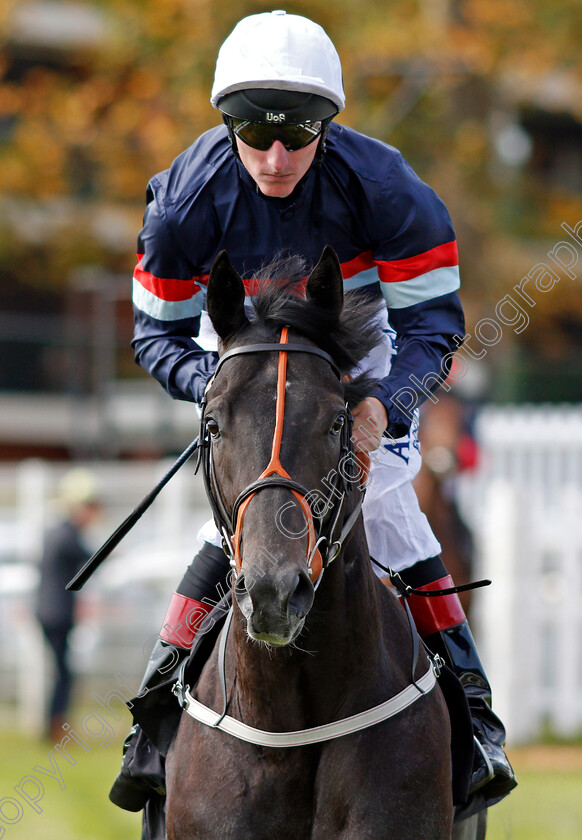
<point x="103" y="553"/>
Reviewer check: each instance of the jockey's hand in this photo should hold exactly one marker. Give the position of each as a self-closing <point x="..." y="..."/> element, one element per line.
<point x="370" y="421"/>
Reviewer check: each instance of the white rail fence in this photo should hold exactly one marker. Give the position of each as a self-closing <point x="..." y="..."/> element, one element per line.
<point x="121" y="608"/>
<point x="524" y="504"/>
<point x="525" y="507"/>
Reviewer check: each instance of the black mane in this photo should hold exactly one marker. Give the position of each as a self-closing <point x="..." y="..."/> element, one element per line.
<point x="281" y="301"/>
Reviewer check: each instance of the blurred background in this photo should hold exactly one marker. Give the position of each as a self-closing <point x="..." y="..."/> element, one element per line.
<point x="484" y="98"/>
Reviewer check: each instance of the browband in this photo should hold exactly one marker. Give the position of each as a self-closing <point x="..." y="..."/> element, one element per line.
<point x="261" y="348"/>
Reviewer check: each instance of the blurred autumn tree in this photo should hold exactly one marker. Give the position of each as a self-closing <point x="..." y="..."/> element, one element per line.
<point x="482" y="96"/>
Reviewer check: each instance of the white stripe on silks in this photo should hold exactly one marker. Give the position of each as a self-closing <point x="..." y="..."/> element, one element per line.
<point x="327" y="732"/>
<point x="363" y="278"/>
<point x="165" y="310"/>
<point x="440" y="281"/>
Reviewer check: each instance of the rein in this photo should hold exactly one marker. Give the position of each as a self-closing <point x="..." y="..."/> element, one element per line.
<point x="322" y="548"/>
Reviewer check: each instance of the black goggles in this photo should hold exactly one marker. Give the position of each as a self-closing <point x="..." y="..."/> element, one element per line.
<point x="261" y="135"/>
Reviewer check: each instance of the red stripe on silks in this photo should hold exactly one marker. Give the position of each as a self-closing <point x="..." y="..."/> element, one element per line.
<point x="395" y="271"/>
<point x="360" y="263"/>
<point x="437" y="613"/>
<point x="183" y="620"/>
<point x="254" y="285"/>
<point x="166" y="288"/>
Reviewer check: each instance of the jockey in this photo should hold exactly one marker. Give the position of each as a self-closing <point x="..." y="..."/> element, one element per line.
<point x="280" y="177"/>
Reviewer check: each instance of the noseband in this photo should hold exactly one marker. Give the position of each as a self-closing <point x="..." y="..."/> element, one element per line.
<point x="322" y="548"/>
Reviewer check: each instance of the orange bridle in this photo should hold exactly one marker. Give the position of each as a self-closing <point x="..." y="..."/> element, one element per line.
<point x="320" y="550"/>
<point x="274" y="467"/>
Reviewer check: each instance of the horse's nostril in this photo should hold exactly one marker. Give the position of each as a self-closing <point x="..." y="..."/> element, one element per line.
<point x="240" y="587"/>
<point x="301" y="599"/>
<point x="242" y="595"/>
<point x="272" y="603"/>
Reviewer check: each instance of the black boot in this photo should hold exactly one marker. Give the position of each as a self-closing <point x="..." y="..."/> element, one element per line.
<point x="492" y="773"/>
<point x="143" y="767"/>
<point x="442" y="624"/>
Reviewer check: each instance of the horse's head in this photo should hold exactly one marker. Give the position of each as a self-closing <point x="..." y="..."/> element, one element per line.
<point x="277" y="426"/>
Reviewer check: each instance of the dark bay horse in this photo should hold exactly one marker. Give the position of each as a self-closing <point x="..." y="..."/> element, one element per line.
<point x="315" y="636"/>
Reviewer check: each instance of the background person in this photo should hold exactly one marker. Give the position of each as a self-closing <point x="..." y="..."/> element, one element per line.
<point x="64" y="553"/>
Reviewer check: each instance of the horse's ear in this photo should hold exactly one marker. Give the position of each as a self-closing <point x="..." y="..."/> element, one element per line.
<point x="225" y="298"/>
<point x="325" y="285"/>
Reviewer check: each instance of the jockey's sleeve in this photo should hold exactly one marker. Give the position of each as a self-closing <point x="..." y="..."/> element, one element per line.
<point x="418" y="266"/>
<point x="423" y="358"/>
<point x="167" y="300"/>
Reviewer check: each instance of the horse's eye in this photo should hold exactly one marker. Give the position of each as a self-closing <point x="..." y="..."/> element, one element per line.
<point x="212" y="427"/>
<point x="338" y="424"/>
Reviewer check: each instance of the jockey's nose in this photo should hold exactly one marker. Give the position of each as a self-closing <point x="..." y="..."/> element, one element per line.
<point x="277" y="156"/>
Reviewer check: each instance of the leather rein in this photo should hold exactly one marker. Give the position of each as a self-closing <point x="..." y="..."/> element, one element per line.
<point x="325" y="540"/>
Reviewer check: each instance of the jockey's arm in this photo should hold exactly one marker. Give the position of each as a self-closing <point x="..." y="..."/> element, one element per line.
<point x="167" y="301"/>
<point x="416" y="254"/>
<point x="428" y="334"/>
<point x="420" y="366"/>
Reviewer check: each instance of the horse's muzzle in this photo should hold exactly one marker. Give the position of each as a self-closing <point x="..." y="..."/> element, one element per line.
<point x="274" y="605"/>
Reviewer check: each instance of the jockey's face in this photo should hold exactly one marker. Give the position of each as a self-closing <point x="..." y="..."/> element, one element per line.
<point x="276" y="172"/>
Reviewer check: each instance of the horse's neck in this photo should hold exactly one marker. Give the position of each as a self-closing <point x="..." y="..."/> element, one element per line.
<point x="343" y="646"/>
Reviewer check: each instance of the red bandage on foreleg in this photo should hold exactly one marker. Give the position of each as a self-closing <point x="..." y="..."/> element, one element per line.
<point x="183" y="620"/>
<point x="436" y="613"/>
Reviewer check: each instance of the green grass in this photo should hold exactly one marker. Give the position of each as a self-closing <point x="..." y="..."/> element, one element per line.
<point x="80" y="811"/>
<point x="546" y="806"/>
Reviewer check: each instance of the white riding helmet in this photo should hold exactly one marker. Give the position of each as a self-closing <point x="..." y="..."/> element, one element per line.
<point x="277" y="51"/>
